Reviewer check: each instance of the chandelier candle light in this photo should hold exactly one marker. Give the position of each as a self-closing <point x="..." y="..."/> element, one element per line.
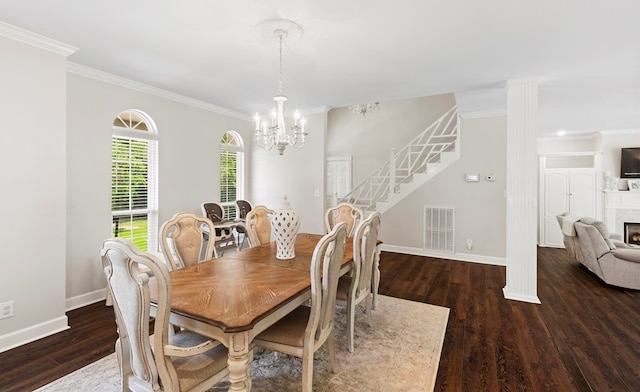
<point x="275" y="134"/>
<point x="364" y="108"/>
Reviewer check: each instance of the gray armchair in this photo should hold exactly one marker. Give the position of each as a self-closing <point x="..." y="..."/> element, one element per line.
<point x="614" y="261"/>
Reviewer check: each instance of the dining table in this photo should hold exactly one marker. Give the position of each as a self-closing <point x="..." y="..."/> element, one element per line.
<point x="235" y="297"/>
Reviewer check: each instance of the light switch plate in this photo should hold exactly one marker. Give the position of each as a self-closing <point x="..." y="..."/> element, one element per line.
<point x="472" y="177"/>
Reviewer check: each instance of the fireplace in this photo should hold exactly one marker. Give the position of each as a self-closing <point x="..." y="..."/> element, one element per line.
<point x="632" y="233"/>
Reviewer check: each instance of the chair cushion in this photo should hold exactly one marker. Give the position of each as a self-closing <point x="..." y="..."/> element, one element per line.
<point x="194" y="369"/>
<point x="344" y="284"/>
<point x="289" y="330"/>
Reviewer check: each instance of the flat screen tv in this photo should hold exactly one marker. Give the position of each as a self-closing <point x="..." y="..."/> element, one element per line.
<point x="630" y="163"/>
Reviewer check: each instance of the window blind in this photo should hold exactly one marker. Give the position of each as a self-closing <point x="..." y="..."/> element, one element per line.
<point x="133" y="190"/>
<point x="228" y="182"/>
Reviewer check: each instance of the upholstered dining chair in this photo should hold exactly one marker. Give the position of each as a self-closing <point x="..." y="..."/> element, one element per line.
<point x="306" y="329"/>
<point x="183" y="241"/>
<point x="355" y="288"/>
<point x="258" y="225"/>
<point x="222" y="237"/>
<point x="243" y="208"/>
<point x="176" y="361"/>
<point x="343" y="212"/>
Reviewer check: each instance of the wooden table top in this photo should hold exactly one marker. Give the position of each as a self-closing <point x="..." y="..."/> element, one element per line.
<point x="236" y="291"/>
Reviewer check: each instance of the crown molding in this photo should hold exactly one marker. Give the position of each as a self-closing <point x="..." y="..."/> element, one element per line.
<point x="315" y="110"/>
<point x="145" y="88"/>
<point x="37" y="40"/>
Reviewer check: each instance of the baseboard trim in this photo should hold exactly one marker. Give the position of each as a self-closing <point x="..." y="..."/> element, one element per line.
<point x="444" y="255"/>
<point x="84" y="299"/>
<point x="32" y="333"/>
<point x="520" y="297"/>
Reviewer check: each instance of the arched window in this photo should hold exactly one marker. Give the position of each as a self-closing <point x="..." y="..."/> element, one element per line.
<point x="231" y="172"/>
<point x="134" y="174"/>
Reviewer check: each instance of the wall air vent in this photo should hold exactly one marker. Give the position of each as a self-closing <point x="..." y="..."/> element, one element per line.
<point x="439" y="225"/>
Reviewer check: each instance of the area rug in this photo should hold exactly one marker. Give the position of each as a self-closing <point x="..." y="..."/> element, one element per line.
<point x="399" y="352"/>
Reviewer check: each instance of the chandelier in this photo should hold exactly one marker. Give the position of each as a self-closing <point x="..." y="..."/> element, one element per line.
<point x="364" y="108"/>
<point x="275" y="133"/>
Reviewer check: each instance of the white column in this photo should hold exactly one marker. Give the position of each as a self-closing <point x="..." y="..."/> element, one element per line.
<point x="522" y="190"/>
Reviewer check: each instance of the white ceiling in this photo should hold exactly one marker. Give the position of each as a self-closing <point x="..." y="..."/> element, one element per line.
<point x="586" y="54"/>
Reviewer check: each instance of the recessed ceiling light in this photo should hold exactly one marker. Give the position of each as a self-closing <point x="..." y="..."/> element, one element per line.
<point x="562" y="132"/>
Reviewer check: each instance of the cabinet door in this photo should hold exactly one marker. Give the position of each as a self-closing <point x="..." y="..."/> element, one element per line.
<point x="566" y="191"/>
<point x="583" y="193"/>
<point x="556" y="201"/>
<point x="556" y="193"/>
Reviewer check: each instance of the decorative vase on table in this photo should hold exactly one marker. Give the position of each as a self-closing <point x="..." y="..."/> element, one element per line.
<point x="285" y="225"/>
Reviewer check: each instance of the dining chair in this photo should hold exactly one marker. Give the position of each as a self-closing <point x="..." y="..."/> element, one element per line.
<point x="243" y="208"/>
<point x="223" y="237"/>
<point x="343" y="212"/>
<point x="176" y="361"/>
<point x="258" y="225"/>
<point x="355" y="288"/>
<point x="303" y="331"/>
<point x="183" y="239"/>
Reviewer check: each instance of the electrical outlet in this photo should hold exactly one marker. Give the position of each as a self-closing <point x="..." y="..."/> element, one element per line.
<point x="6" y="309"/>
<point x="469" y="244"/>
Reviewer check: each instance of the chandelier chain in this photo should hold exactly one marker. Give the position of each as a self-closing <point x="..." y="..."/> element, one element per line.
<point x="280" y="83"/>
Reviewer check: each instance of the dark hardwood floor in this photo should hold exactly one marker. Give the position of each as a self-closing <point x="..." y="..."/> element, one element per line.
<point x="585" y="336"/>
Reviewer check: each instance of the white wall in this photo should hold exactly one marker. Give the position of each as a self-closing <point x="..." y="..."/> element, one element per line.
<point x="188" y="163"/>
<point x="368" y="139"/>
<point x="298" y="174"/>
<point x="610" y="145"/>
<point x="33" y="208"/>
<point x="480" y="207"/>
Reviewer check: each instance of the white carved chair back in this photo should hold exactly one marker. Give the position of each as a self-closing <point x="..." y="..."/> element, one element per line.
<point x="306" y="329"/>
<point x="143" y="368"/>
<point x="183" y="239"/>
<point x="357" y="287"/>
<point x="367" y="252"/>
<point x="258" y="225"/>
<point x="346" y="213"/>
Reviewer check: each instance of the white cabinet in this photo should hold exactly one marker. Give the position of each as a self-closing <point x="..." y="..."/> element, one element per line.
<point x="565" y="190"/>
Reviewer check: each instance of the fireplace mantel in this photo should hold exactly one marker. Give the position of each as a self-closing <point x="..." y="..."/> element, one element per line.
<point x="620" y="207"/>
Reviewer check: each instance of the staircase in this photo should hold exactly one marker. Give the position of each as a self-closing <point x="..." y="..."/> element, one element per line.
<point x="421" y="159"/>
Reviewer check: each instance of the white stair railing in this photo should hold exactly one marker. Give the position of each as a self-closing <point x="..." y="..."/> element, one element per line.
<point x="424" y="149"/>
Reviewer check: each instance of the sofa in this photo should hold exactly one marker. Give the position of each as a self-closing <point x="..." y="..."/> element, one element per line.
<point x="604" y="254"/>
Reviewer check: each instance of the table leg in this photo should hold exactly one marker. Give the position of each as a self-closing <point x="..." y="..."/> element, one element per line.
<point x="239" y="362"/>
<point x="375" y="277"/>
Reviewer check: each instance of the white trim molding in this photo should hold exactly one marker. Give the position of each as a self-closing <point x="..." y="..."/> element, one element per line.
<point x="501" y="261"/>
<point x="84" y="299"/>
<point x="147" y="89"/>
<point x="40" y="41"/>
<point x="33" y="333"/>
